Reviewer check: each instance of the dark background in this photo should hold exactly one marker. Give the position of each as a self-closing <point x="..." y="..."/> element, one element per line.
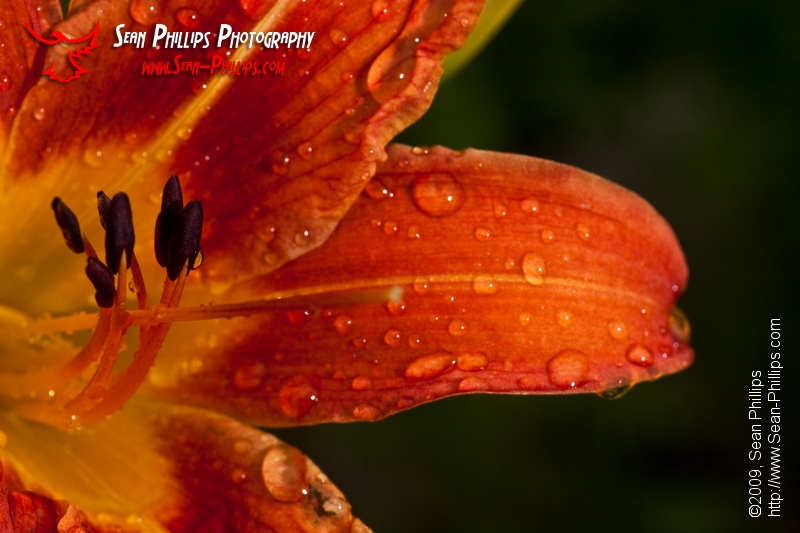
<point x="695" y="105"/>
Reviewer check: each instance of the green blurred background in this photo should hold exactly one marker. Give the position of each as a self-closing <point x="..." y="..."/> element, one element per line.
<point x="695" y="106"/>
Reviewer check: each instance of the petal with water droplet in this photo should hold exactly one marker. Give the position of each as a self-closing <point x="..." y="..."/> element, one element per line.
<point x="560" y="318"/>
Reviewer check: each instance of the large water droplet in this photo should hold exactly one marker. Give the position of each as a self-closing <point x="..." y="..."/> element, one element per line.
<point x="568" y="369"/>
<point x="639" y="355"/>
<point x="457" y="328"/>
<point x="298" y="396"/>
<point x="366" y="412"/>
<point x="430" y="365"/>
<point x="144" y="11"/>
<point x="283" y="471"/>
<point x="471" y="361"/>
<point x="249" y="377"/>
<point x="533" y="267"/>
<point x="188" y="17"/>
<point x="437" y="195"/>
<point x="484" y="285"/>
<point x="679" y="325"/>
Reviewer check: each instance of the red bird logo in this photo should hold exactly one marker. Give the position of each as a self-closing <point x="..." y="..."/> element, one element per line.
<point x="58" y="38"/>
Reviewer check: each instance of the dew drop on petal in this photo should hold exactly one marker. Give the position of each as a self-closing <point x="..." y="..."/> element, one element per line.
<point x="304" y="150"/>
<point x="437" y="195"/>
<point x="413" y="232"/>
<point x="188" y="17"/>
<point x="617" y="329"/>
<point x="396" y="308"/>
<point x="679" y="325"/>
<point x="421" y="285"/>
<point x="568" y="369"/>
<point x="414" y="342"/>
<point x="144" y="11"/>
<point x="533" y="267"/>
<point x="473" y="384"/>
<point x="484" y="285"/>
<point x="457" y="328"/>
<point x="283" y="471"/>
<point x="529" y="205"/>
<point x="343" y="323"/>
<point x="249" y="377"/>
<point x="482" y="234"/>
<point x="564" y="318"/>
<point x="548" y="236"/>
<point x="525" y="319"/>
<point x="583" y="231"/>
<point x="366" y="412"/>
<point x="430" y="365"/>
<point x="380" y="10"/>
<point x="298" y="396"/>
<point x="5" y="81"/>
<point x="376" y="190"/>
<point x="392" y="337"/>
<point x="639" y="355"/>
<point x="336" y="506"/>
<point x="238" y="476"/>
<point x="471" y="361"/>
<point x="338" y="37"/>
<point x="361" y="383"/>
<point x="38" y="113"/>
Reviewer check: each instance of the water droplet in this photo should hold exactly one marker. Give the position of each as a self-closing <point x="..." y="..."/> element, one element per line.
<point x="390" y="227"/>
<point x="298" y="318"/>
<point x="457" y="328"/>
<point x="414" y="342"/>
<point x="38" y="113"/>
<point x="679" y="325"/>
<point x="144" y="11"/>
<point x="284" y="473"/>
<point x="361" y="383"/>
<point x="250" y="377"/>
<point x="238" y="476"/>
<point x="614" y="393"/>
<point x="93" y="157"/>
<point x="359" y="342"/>
<point x="366" y="412"/>
<point x="413" y="232"/>
<point x="185" y="133"/>
<point x="380" y="10"/>
<point x="482" y="234"/>
<point x="639" y="355"/>
<point x="533" y="267"/>
<point x="547" y="236"/>
<point x="343" y="323"/>
<point x="298" y="396"/>
<point x="352" y="134"/>
<point x="510" y="263"/>
<point x="568" y="369"/>
<point x="392" y="337"/>
<point x="564" y="318"/>
<point x="500" y="209"/>
<point x="583" y="231"/>
<point x="471" y="361"/>
<point x="421" y="285"/>
<point x="376" y="190"/>
<point x="617" y="329"/>
<point x="529" y="205"/>
<point x="430" y="365"/>
<point x="5" y="81"/>
<point x="396" y="308"/>
<point x="281" y="164"/>
<point x="338" y="37"/>
<point x="304" y="150"/>
<point x="437" y="195"/>
<point x="484" y="285"/>
<point x="159" y="310"/>
<point x="473" y="384"/>
<point x="525" y="319"/>
<point x="188" y="17"/>
<point x="336" y="506"/>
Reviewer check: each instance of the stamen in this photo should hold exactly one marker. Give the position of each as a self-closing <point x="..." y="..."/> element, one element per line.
<point x="168" y="219"/>
<point x="69" y="225"/>
<point x="185" y="244"/>
<point x="103" y="204"/>
<point x="119" y="232"/>
<point x="103" y="281"/>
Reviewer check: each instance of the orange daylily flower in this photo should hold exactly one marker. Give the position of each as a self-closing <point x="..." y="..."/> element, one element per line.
<point x="341" y="280"/>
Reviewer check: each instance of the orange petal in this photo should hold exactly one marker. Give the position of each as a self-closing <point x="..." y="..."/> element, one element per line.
<point x="206" y="473"/>
<point x="277" y="159"/>
<point x="518" y="275"/>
